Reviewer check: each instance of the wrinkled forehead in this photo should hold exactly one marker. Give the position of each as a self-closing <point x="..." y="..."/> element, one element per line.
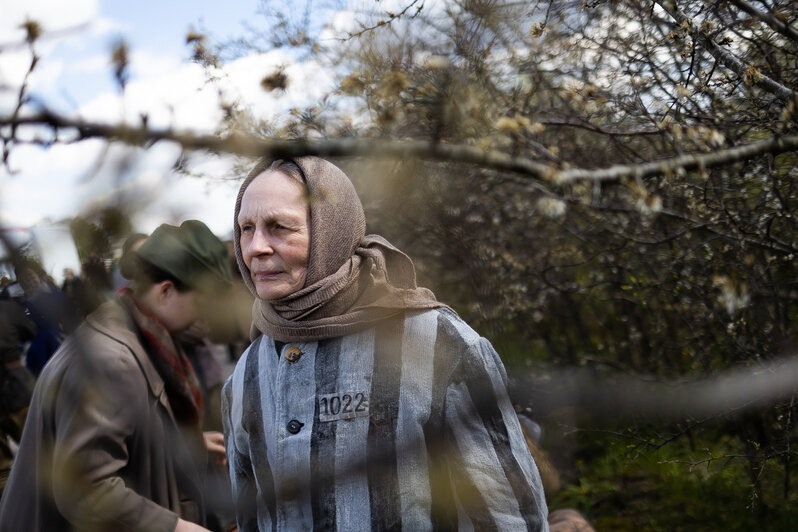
<point x="270" y="192"/>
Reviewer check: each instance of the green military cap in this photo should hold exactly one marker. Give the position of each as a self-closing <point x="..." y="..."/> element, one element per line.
<point x="191" y="253"/>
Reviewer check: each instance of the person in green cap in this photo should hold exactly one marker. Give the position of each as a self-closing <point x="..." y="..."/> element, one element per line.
<point x="113" y="438"/>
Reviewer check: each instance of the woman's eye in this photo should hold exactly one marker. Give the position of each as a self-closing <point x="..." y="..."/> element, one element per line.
<point x="246" y="228"/>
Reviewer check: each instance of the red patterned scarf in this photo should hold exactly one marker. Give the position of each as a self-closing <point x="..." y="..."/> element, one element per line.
<point x="182" y="386"/>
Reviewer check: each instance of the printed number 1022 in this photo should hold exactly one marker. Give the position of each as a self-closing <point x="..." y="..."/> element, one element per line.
<point x="343" y="406"/>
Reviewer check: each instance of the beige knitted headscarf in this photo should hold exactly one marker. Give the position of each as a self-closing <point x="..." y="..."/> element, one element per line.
<point x="353" y="280"/>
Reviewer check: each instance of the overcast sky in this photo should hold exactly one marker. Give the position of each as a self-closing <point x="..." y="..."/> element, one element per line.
<point x="74" y="77"/>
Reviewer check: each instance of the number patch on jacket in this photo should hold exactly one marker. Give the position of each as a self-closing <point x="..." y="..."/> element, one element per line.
<point x="346" y="405"/>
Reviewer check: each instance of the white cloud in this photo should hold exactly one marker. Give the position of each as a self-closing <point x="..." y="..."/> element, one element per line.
<point x="46" y="181"/>
<point x="46" y="75"/>
<point x="50" y="14"/>
<point x="308" y="82"/>
<point x="142" y="180"/>
<point x="182" y="198"/>
<point x="176" y="94"/>
<point x="171" y="94"/>
<point x="65" y="179"/>
<point x="13" y="66"/>
<point x="73" y="48"/>
<point x="90" y="64"/>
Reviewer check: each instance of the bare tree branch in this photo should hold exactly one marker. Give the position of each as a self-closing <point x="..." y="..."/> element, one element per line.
<point x="685" y="162"/>
<point x="250" y="146"/>
<point x="21" y="99"/>
<point x="768" y="18"/>
<point x="602" y="130"/>
<point x="726" y="57"/>
<point x="391" y="18"/>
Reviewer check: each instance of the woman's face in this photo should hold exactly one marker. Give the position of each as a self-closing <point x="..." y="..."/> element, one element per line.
<point x="275" y="235"/>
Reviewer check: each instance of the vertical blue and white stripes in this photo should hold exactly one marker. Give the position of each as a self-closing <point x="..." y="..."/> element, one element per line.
<point x="439" y="447"/>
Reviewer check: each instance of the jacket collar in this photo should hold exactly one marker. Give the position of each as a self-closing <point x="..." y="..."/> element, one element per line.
<point x="111" y="320"/>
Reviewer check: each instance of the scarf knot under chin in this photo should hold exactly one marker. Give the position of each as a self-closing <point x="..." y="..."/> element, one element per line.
<point x="180" y="381"/>
<point x="376" y="283"/>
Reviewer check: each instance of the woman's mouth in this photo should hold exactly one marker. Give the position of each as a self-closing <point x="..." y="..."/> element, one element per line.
<point x="265" y="275"/>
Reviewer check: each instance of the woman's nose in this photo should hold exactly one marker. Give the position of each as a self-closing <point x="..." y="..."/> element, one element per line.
<point x="261" y="243"/>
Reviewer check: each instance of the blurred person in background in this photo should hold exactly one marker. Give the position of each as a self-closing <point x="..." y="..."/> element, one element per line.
<point x="201" y="353"/>
<point x="72" y="286"/>
<point x="5" y="284"/>
<point x="16" y="381"/>
<point x="49" y="308"/>
<point x="96" y="286"/>
<point x="241" y="301"/>
<point x="561" y="519"/>
<point x="90" y="289"/>
<point x="362" y="403"/>
<point x="131" y="243"/>
<point x="113" y="439"/>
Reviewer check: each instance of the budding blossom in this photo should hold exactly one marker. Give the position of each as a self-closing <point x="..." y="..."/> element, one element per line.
<point x="506" y="125"/>
<point x="515" y="125"/>
<point x="716" y="138"/>
<point x="734" y="295"/>
<point x="551" y="207"/>
<point x="277" y="80"/>
<point x="752" y="75"/>
<point x="353" y="84"/>
<point x="392" y="84"/>
<point x="438" y="62"/>
<point x="648" y="204"/>
<point x="537" y="30"/>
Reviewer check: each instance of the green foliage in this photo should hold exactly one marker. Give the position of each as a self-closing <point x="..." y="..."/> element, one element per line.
<point x="620" y="488"/>
<point x="685" y="275"/>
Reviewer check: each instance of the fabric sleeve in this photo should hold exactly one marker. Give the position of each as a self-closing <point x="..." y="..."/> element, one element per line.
<point x="96" y="411"/>
<point x="496" y="482"/>
<point x="242" y="478"/>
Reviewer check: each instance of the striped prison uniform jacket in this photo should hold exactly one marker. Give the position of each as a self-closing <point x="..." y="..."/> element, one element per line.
<point x="406" y="425"/>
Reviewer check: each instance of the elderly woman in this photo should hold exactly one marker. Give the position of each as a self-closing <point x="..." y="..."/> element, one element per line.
<point x="362" y="403"/>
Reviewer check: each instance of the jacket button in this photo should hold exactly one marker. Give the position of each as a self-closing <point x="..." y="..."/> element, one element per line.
<point x="294" y="426"/>
<point x="293" y="354"/>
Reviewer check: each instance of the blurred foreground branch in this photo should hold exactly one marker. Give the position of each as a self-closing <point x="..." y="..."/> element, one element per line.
<point x="251" y="146"/>
<point x="602" y="398"/>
